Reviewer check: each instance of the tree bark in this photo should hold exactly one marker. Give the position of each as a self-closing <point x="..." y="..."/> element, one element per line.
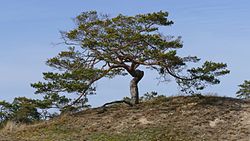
<point x="137" y="76"/>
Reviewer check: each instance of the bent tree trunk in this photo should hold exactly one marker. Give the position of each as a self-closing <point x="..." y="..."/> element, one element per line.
<point x="137" y="76"/>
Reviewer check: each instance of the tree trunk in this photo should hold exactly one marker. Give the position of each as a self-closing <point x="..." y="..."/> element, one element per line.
<point x="137" y="76"/>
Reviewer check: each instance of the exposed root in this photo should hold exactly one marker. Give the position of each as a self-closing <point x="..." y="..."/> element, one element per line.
<point x="118" y="101"/>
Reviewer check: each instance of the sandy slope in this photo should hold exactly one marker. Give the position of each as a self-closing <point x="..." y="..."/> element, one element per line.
<point x="179" y="118"/>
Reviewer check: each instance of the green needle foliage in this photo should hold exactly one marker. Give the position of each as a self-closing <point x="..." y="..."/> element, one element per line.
<point x="244" y="91"/>
<point x="21" y="110"/>
<point x="102" y="46"/>
<point x="25" y="110"/>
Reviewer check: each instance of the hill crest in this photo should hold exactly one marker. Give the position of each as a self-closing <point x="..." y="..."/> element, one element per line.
<point x="162" y="118"/>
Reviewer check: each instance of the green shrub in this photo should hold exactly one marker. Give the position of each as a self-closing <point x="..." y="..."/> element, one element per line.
<point x="244" y="91"/>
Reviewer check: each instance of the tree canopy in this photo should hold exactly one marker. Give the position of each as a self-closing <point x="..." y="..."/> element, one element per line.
<point x="103" y="46"/>
<point x="21" y="110"/>
<point x="244" y="91"/>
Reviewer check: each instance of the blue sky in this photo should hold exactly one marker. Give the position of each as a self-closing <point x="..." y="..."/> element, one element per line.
<point x="213" y="30"/>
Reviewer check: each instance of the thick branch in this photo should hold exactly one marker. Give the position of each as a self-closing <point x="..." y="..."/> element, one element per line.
<point x="179" y="77"/>
<point x="156" y="63"/>
<point x="91" y="82"/>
